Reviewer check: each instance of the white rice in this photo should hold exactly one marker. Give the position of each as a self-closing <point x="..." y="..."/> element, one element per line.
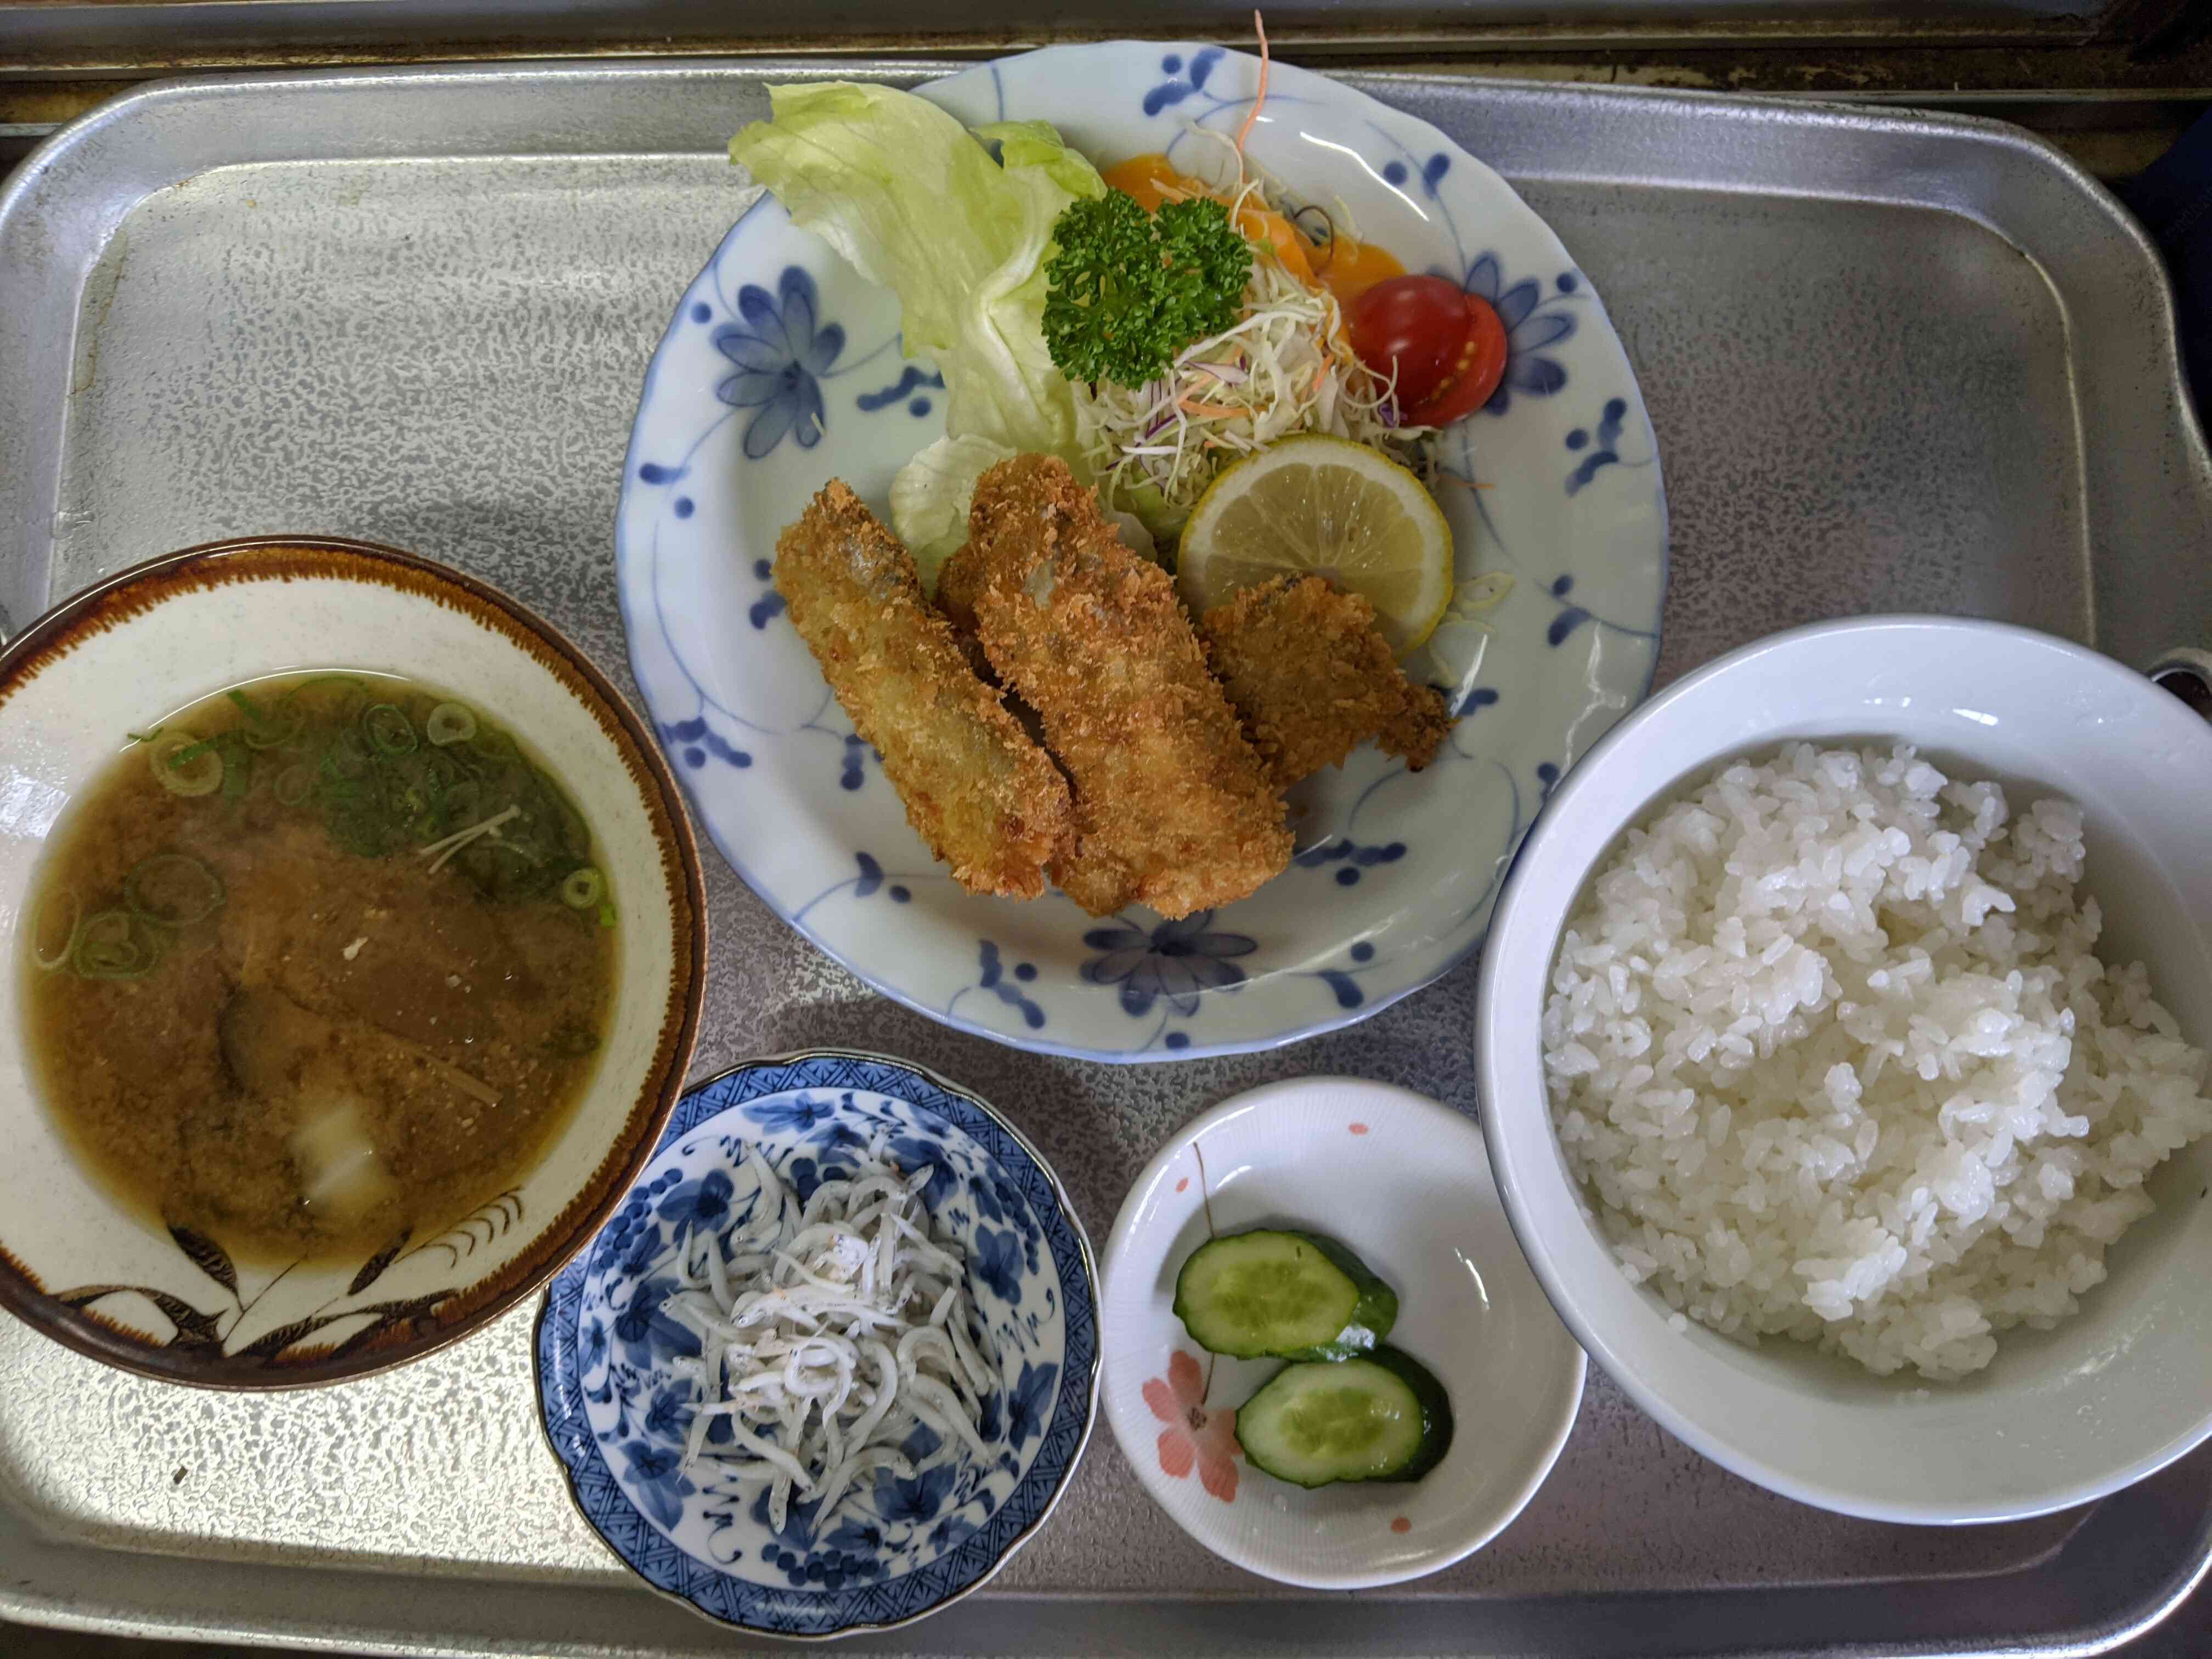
<point x="1829" y="1046"/>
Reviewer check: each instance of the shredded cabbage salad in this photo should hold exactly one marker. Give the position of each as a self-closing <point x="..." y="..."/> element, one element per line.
<point x="828" y="1331"/>
<point x="1287" y="366"/>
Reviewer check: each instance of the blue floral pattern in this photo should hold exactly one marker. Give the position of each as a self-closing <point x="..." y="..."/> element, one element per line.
<point x="993" y="976"/>
<point x="1533" y="321"/>
<point x="1350" y="858"/>
<point x="793" y="1115"/>
<point x="656" y="1476"/>
<point x="1572" y="615"/>
<point x="806" y="818"/>
<point x="1181" y="83"/>
<point x="870" y="881"/>
<point x="703" y="1204"/>
<point x="779" y="351"/>
<point x="694" y="740"/>
<point x="911" y="381"/>
<point x="1027" y="1402"/>
<point x="998" y="1264"/>
<point x="897" y="1546"/>
<point x="1345" y="982"/>
<point x="1606" y="450"/>
<point x="1177" y="960"/>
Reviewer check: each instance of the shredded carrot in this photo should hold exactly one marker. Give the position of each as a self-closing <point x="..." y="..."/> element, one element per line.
<point x="1210" y="412"/>
<point x="1259" y="98"/>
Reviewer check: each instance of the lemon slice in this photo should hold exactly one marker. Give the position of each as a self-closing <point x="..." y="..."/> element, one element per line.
<point x="1315" y="506"/>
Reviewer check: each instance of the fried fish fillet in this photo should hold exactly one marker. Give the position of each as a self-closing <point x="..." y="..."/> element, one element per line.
<point x="1172" y="807"/>
<point x="988" y="801"/>
<point x="1314" y="679"/>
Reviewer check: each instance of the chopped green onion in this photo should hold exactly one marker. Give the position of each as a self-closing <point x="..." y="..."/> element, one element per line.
<point x="172" y="889"/>
<point x="449" y="723"/>
<point x="387" y="731"/>
<point x="114" y="945"/>
<point x="262" y="733"/>
<point x="343" y="760"/>
<point x="607" y="915"/>
<point x="294" y="784"/>
<point x="51" y="961"/>
<point x="144" y="736"/>
<point x="237" y="765"/>
<point x="407" y="798"/>
<point x="571" y="1040"/>
<point x="184" y="765"/>
<point x="584" y="889"/>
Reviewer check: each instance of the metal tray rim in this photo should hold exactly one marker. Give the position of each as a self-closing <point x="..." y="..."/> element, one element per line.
<point x="2179" y="1490"/>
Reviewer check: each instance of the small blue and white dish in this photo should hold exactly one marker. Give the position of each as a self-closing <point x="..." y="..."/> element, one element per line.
<point x="782" y="368"/>
<point x="616" y="1413"/>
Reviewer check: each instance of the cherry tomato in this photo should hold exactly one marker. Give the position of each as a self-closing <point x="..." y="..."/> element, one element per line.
<point x="1447" y="346"/>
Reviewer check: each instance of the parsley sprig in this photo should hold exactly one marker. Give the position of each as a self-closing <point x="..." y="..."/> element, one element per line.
<point x="1126" y="289"/>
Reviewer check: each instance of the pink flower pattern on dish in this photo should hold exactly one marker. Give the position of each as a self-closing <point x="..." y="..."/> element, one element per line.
<point x="1196" y="1435"/>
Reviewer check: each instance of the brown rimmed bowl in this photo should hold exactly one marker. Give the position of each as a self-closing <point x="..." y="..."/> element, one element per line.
<point x="82" y="1267"/>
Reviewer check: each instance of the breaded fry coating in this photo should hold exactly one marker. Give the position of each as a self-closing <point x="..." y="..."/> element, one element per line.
<point x="1172" y="807"/>
<point x="988" y="801"/>
<point x="1417" y="732"/>
<point x="1314" y="679"/>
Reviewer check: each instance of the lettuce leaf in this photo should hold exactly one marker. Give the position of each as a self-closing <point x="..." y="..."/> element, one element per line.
<point x="931" y="495"/>
<point x="912" y="199"/>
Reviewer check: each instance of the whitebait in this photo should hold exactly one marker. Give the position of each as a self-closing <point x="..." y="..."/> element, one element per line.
<point x="830" y="1331"/>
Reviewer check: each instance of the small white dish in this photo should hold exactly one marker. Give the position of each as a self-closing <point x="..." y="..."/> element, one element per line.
<point x="896" y="1548"/>
<point x="2063" y="1416"/>
<point x="1405" y="1184"/>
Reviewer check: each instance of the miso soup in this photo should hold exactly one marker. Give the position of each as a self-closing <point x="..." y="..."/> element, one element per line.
<point x="321" y="961"/>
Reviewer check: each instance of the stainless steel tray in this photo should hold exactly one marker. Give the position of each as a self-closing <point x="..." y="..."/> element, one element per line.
<point x="1897" y="363"/>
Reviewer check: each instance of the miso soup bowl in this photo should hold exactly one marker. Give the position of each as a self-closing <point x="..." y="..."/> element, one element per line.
<point x="79" y="1263"/>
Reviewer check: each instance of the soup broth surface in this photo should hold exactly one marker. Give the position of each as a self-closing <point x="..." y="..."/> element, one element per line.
<point x="320" y="961"/>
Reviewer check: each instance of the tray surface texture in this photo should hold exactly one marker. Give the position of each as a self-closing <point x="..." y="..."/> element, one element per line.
<point x="1895" y="363"/>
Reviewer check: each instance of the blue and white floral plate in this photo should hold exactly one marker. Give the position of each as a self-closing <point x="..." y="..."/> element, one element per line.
<point x="895" y="1551"/>
<point x="782" y="369"/>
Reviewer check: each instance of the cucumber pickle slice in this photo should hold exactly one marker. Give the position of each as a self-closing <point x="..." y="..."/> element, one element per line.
<point x="1380" y="1417"/>
<point x="1271" y="1293"/>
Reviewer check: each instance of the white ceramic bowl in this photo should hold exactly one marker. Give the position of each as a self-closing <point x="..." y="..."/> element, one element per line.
<point x="2061" y="1416"/>
<point x="896" y="1548"/>
<point x="1395" y="871"/>
<point x="1403" y="1182"/>
<point x="79" y="1265"/>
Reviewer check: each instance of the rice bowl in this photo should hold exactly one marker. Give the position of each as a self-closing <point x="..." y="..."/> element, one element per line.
<point x="1830" y="1045"/>
<point x="2060" y="1416"/>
